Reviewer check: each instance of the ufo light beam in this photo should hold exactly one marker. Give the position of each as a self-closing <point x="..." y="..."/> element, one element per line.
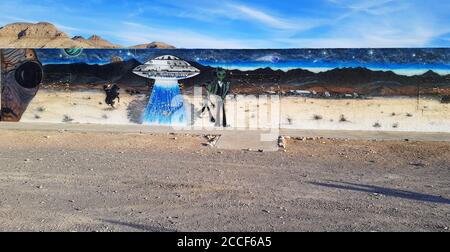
<point x="166" y="104"/>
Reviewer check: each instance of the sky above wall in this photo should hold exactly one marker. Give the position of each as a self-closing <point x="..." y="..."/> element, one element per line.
<point x="245" y="24"/>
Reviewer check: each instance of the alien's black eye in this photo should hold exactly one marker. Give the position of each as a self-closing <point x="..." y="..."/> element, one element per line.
<point x="29" y="75"/>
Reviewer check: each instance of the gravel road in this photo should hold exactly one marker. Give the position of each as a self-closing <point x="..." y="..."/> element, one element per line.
<point x="62" y="181"/>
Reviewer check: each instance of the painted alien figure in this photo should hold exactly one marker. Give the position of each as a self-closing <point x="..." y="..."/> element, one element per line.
<point x="21" y="76"/>
<point x="220" y="89"/>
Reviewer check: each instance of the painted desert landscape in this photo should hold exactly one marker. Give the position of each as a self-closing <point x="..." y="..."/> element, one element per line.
<point x="330" y="89"/>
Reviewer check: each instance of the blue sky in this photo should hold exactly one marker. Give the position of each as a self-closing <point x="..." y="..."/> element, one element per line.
<point x="245" y="24"/>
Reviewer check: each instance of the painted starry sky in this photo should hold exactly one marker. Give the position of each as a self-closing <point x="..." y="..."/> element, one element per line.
<point x="436" y="59"/>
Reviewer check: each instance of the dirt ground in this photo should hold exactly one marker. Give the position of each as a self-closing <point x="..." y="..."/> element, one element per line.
<point x="62" y="181"/>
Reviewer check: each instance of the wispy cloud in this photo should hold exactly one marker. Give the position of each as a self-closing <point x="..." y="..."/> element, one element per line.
<point x="263" y="17"/>
<point x="16" y="19"/>
<point x="67" y="28"/>
<point x="384" y="23"/>
<point x="246" y="23"/>
<point x="135" y="33"/>
<point x="219" y="12"/>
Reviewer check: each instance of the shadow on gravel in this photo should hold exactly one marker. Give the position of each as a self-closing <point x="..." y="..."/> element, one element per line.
<point x="385" y="191"/>
<point x="143" y="228"/>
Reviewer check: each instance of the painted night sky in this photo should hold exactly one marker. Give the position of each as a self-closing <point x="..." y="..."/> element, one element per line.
<point x="401" y="61"/>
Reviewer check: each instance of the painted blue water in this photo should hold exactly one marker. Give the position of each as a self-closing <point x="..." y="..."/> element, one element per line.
<point x="166" y="105"/>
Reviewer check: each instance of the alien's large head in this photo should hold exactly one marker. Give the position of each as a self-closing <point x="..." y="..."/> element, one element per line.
<point x="21" y="75"/>
<point x="221" y="74"/>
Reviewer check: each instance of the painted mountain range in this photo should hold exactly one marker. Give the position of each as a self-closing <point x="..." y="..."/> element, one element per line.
<point x="339" y="80"/>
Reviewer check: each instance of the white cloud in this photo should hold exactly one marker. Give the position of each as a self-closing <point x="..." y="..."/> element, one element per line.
<point x="8" y="19"/>
<point x="134" y="33"/>
<point x="343" y="23"/>
<point x="364" y="7"/>
<point x="67" y="28"/>
<point x="385" y="23"/>
<point x="223" y="12"/>
<point x="366" y="23"/>
<point x="264" y="18"/>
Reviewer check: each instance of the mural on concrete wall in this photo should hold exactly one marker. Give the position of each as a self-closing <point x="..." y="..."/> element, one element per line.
<point x="353" y="89"/>
<point x="21" y="77"/>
